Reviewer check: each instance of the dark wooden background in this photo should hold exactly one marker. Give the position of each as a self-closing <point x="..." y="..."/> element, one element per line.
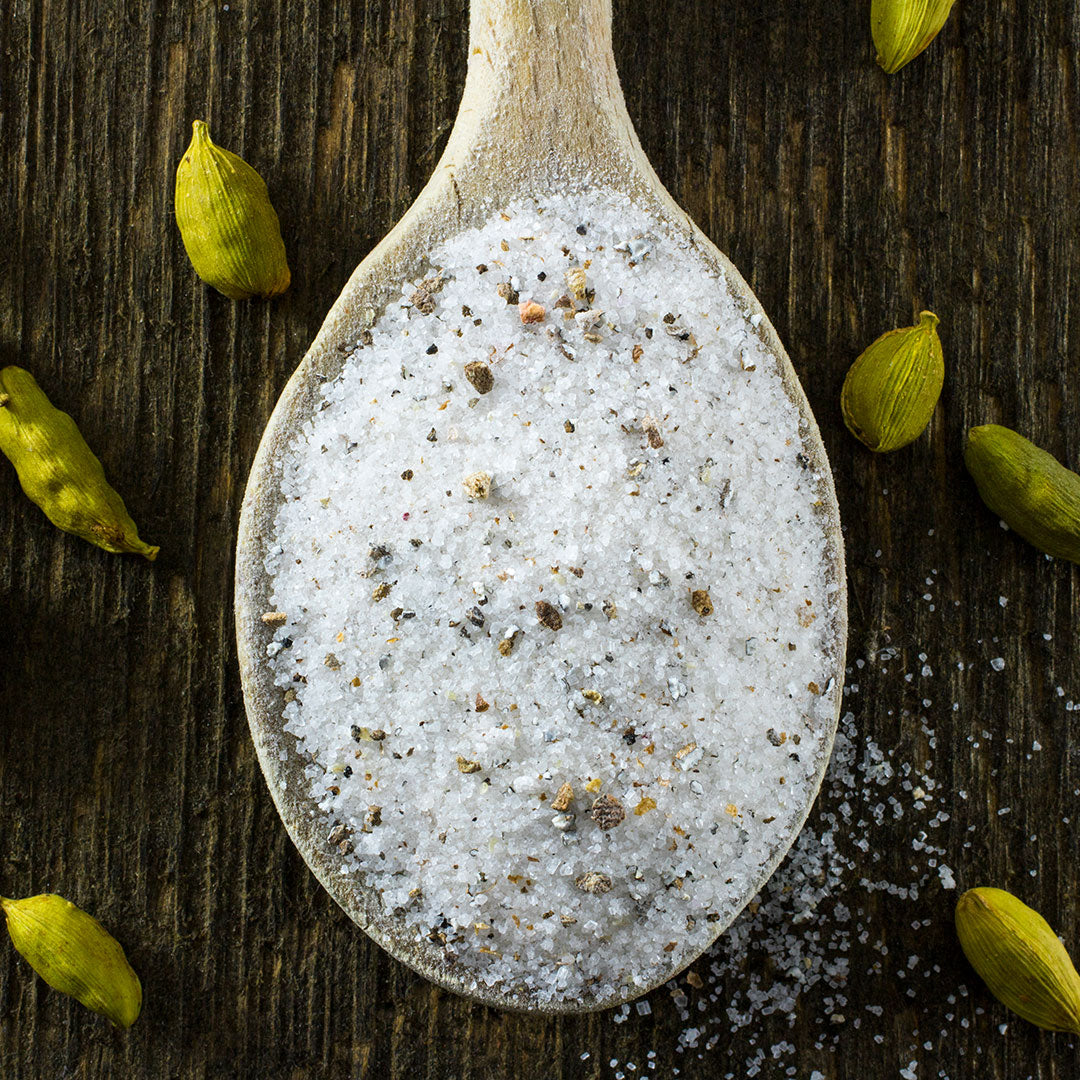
<point x="848" y="199"/>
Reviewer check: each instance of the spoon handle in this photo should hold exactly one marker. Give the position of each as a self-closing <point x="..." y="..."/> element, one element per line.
<point x="542" y="99"/>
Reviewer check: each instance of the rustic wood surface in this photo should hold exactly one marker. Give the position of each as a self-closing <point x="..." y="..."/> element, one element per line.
<point x="849" y="200"/>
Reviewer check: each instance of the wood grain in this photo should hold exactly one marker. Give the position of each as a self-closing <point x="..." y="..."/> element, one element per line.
<point x="848" y="199"/>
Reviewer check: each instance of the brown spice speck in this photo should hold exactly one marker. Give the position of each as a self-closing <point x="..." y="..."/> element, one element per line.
<point x="594" y="883"/>
<point x="381" y="591"/>
<point x="564" y="797"/>
<point x="479" y="374"/>
<point x="701" y="602"/>
<point x="466" y="766"/>
<point x="548" y="615"/>
<point x="576" y="282"/>
<point x="507" y="292"/>
<point x="275" y="618"/>
<point x="506" y="646"/>
<point x="607" y="812"/>
<point x="423" y="301"/>
<point x="480" y="705"/>
<point x="531" y="312"/>
<point x="652" y="432"/>
<point x="478" y="485"/>
<point x="332" y="662"/>
<point x="338" y="833"/>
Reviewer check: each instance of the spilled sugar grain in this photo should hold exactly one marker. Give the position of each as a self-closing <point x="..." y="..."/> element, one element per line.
<point x="596" y="564"/>
<point x="800" y="950"/>
<point x="808" y="921"/>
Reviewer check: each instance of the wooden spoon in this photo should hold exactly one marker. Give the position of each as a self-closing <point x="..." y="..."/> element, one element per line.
<point x="542" y="111"/>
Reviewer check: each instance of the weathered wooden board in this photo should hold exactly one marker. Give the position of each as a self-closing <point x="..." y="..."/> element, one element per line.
<point x="848" y="199"/>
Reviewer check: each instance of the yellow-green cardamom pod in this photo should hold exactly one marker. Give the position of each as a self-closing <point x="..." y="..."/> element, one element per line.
<point x="1029" y="489"/>
<point x="75" y="954"/>
<point x="901" y="29"/>
<point x="1019" y="958"/>
<point x="58" y="471"/>
<point x="892" y="389"/>
<point x="230" y="230"/>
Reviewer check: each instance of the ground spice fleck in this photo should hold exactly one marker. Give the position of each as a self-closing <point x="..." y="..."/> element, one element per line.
<point x="332" y="662"/>
<point x="378" y="735"/>
<point x="478" y="485"/>
<point x="647" y="803"/>
<point x="507" y="292"/>
<point x="422" y="300"/>
<point x="382" y="591"/>
<point x="701" y="602"/>
<point x="685" y="752"/>
<point x="610" y="610"/>
<point x="275" y="618"/>
<point x="652" y="432"/>
<point x="607" y="812"/>
<point x="564" y="797"/>
<point x="531" y="312"/>
<point x="594" y="696"/>
<point x="466" y="766"/>
<point x="480" y="705"/>
<point x="548" y="615"/>
<point x="479" y="374"/>
<point x="407" y="474"/>
<point x="576" y="282"/>
<point x="338" y="834"/>
<point x="594" y="883"/>
<point x="506" y="646"/>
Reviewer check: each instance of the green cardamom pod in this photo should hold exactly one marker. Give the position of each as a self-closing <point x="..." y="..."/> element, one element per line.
<point x="58" y="471"/>
<point x="1019" y="958"/>
<point x="75" y="954"/>
<point x="230" y="230"/>
<point x="901" y="29"/>
<point x="1029" y="489"/>
<point x="892" y="389"/>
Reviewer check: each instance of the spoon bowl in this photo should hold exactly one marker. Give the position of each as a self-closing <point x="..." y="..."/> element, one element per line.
<point x="542" y="111"/>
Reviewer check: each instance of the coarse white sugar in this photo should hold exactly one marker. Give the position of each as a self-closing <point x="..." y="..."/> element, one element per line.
<point x="521" y="599"/>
